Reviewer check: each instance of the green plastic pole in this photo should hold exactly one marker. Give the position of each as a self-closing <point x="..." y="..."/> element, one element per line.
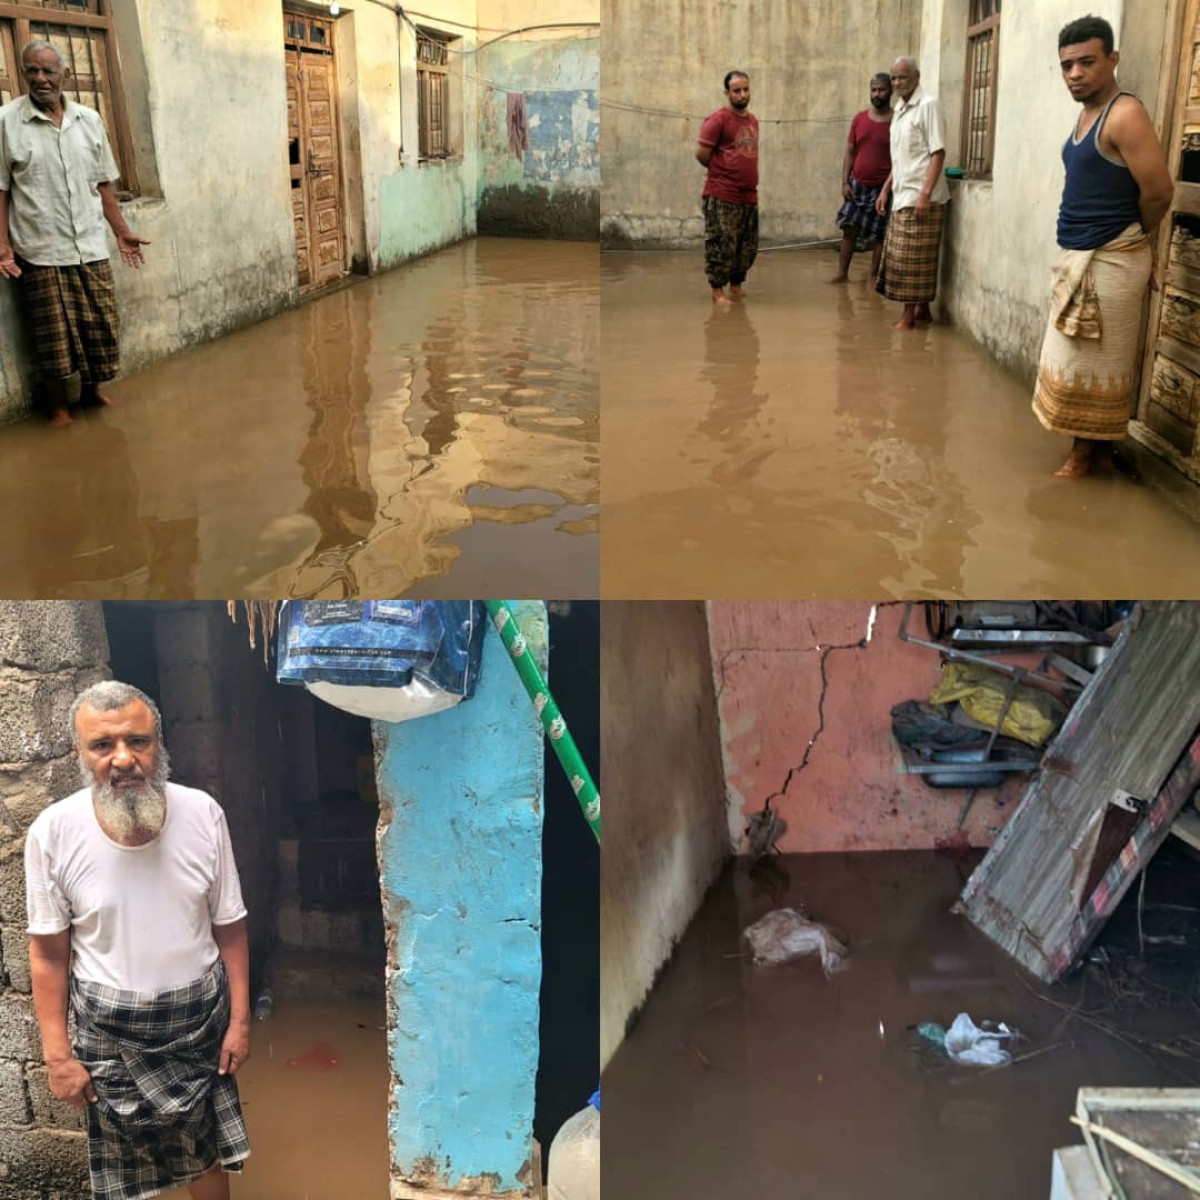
<point x="553" y="723"/>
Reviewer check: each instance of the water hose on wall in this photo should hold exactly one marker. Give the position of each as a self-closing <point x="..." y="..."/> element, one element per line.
<point x="552" y="720"/>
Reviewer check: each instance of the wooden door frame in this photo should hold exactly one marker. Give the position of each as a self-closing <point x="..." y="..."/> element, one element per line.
<point x="300" y="9"/>
<point x="1170" y="113"/>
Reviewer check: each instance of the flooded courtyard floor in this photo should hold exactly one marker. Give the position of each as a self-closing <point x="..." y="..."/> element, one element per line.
<point x="776" y="1083"/>
<point x="432" y="429"/>
<point x="315" y="1098"/>
<point x="794" y="445"/>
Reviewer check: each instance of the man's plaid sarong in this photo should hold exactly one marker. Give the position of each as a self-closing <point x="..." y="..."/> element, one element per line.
<point x="859" y="212"/>
<point x="73" y="319"/>
<point x="163" y="1116"/>
<point x="909" y="271"/>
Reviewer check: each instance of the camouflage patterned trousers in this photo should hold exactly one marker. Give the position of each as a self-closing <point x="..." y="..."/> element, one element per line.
<point x="730" y="240"/>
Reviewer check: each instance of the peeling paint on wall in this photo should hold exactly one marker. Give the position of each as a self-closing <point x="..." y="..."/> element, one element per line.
<point x="460" y="861"/>
<point x="554" y="191"/>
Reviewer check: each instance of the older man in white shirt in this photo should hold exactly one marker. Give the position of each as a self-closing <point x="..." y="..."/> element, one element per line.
<point x="56" y="191"/>
<point x="919" y="195"/>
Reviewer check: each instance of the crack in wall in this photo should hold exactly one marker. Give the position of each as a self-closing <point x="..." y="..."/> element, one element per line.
<point x="824" y="651"/>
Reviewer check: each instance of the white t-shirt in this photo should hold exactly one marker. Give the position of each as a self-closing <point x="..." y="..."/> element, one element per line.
<point x="141" y="917"/>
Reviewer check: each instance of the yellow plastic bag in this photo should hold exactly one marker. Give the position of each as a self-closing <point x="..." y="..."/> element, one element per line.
<point x="1033" y="716"/>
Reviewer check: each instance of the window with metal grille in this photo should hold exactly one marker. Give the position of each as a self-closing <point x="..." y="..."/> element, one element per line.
<point x="433" y="95"/>
<point x="979" y="106"/>
<point x="82" y="32"/>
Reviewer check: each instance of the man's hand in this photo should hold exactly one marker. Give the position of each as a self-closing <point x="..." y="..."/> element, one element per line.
<point x="922" y="206"/>
<point x="882" y="203"/>
<point x="847" y="192"/>
<point x="235" y="1049"/>
<point x="130" y="246"/>
<point x="8" y="263"/>
<point x="70" y="1081"/>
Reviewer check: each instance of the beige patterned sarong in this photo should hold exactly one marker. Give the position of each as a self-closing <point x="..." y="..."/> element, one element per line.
<point x="1088" y="365"/>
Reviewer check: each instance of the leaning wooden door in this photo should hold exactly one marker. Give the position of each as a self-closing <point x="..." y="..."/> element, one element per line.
<point x="314" y="150"/>
<point x="1168" y="417"/>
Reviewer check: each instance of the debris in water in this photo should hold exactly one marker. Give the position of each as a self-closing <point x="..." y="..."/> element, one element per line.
<point x="787" y="933"/>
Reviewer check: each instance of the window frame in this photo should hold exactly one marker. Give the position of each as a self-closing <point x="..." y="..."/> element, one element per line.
<point x="431" y="74"/>
<point x="983" y="26"/>
<point x="17" y="21"/>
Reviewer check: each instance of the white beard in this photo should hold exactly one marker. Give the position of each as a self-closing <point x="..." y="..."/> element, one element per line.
<point x="135" y="813"/>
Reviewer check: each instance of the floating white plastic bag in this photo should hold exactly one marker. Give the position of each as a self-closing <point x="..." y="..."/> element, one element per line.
<point x="967" y="1043"/>
<point x="787" y="933"/>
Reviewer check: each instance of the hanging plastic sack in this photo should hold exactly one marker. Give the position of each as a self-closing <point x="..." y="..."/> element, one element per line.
<point x="574" y="1164"/>
<point x="787" y="933"/>
<point x="389" y="660"/>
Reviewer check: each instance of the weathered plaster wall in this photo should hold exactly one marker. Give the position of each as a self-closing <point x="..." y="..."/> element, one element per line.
<point x="1000" y="239"/>
<point x="215" y="261"/>
<point x="798" y="672"/>
<point x="424" y="206"/>
<point x="49" y="652"/>
<point x="665" y="835"/>
<point x="810" y="67"/>
<point x="553" y="190"/>
<point x="460" y="860"/>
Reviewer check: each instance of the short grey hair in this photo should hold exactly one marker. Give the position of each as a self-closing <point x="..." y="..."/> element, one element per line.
<point x="909" y="61"/>
<point x="42" y="44"/>
<point x="109" y="695"/>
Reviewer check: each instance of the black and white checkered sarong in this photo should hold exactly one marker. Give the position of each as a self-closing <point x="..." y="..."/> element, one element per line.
<point x="163" y="1116"/>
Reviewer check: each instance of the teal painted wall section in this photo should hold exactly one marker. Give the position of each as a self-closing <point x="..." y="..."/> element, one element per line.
<point x="460" y="850"/>
<point x="554" y="190"/>
<point x="425" y="207"/>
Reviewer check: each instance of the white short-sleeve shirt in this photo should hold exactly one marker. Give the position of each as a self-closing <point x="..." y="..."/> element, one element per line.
<point x="140" y="917"/>
<point x="55" y="217"/>
<point x="916" y="136"/>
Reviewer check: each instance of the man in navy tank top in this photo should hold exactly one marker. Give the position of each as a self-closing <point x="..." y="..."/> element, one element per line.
<point x="1116" y="193"/>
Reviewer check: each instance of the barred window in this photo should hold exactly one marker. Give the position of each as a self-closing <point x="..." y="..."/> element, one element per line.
<point x="979" y="115"/>
<point x="82" y="32"/>
<point x="433" y="94"/>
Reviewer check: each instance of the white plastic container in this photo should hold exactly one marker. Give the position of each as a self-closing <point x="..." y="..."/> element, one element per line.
<point x="574" y="1166"/>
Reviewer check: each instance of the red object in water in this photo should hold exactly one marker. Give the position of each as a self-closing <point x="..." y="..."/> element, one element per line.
<point x="319" y="1058"/>
<point x="956" y="843"/>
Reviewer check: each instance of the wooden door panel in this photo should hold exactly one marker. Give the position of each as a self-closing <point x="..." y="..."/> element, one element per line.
<point x="315" y="161"/>
<point x="1170" y="396"/>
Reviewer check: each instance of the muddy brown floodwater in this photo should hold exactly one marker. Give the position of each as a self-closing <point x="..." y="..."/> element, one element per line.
<point x="793" y="445"/>
<point x="317" y="1131"/>
<point x="777" y="1083"/>
<point x="433" y="428"/>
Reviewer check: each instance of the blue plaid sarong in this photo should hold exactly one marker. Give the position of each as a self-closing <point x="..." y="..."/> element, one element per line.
<point x="860" y="213"/>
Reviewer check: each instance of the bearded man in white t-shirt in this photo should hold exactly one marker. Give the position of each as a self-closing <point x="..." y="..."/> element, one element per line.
<point x="137" y="925"/>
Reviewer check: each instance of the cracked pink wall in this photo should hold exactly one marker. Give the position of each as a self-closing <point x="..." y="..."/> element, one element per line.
<point x="767" y="659"/>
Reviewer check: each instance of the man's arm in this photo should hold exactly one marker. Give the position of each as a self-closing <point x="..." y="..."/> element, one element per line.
<point x="884" y="192"/>
<point x="704" y="153"/>
<point x="936" y="161"/>
<point x="49" y="970"/>
<point x="233" y="945"/>
<point x="128" y="243"/>
<point x="8" y="261"/>
<point x="848" y="168"/>
<point x="1132" y="135"/>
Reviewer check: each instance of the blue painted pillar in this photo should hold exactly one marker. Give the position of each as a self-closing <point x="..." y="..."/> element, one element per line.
<point x="460" y="851"/>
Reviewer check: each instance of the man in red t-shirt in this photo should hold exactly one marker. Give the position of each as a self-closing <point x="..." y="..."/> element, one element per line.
<point x="865" y="168"/>
<point x="728" y="149"/>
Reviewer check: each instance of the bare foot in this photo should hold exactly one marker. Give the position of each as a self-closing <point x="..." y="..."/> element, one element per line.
<point x="1078" y="464"/>
<point x="59" y="418"/>
<point x="737" y="292"/>
<point x="840" y="279"/>
<point x="905" y="323"/>
<point x="719" y="297"/>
